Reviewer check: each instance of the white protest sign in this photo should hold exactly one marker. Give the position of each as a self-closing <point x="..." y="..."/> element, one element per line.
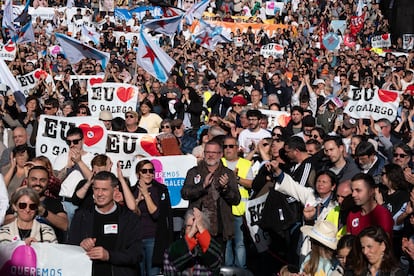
<point x="8" y="51"/>
<point x="169" y="173"/>
<point x="52" y="130"/>
<point x="273" y="7"/>
<point x="85" y="81"/>
<point x="125" y="147"/>
<point x="276" y="118"/>
<point x="254" y="209"/>
<point x="408" y="41"/>
<point x="272" y="49"/>
<point x="381" y="41"/>
<point x="117" y="98"/>
<point x="16" y="258"/>
<point x="378" y="103"/>
<point x="29" y="81"/>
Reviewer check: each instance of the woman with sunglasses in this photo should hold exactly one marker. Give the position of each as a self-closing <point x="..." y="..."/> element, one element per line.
<point x="25" y="203"/>
<point x="151" y="201"/>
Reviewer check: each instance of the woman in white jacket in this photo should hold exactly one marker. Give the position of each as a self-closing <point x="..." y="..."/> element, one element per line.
<point x="25" y="227"/>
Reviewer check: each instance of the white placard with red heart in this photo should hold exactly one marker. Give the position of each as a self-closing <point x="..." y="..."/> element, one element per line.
<point x="125" y="147"/>
<point x="8" y="51"/>
<point x="117" y="98"/>
<point x="29" y="81"/>
<point x="85" y="81"/>
<point x="378" y="103"/>
<point x="52" y="132"/>
<point x="381" y="41"/>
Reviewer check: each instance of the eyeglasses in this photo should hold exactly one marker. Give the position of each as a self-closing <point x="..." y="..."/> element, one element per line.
<point x="400" y="155"/>
<point x="229" y="146"/>
<point x="144" y="171"/>
<point x="129" y="116"/>
<point x="23" y="205"/>
<point x="75" y="142"/>
<point x="165" y="126"/>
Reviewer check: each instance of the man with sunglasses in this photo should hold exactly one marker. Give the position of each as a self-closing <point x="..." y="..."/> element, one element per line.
<point x="51" y="106"/>
<point x="235" y="249"/>
<point x="73" y="166"/>
<point x="187" y="142"/>
<point x="132" y="119"/>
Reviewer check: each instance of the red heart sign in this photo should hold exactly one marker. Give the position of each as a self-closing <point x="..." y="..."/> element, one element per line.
<point x="40" y="73"/>
<point x="149" y="144"/>
<point x="9" y="48"/>
<point x="125" y="94"/>
<point x="385" y="36"/>
<point x="93" y="81"/>
<point x="387" y="96"/>
<point x="91" y="134"/>
<point x="283" y="120"/>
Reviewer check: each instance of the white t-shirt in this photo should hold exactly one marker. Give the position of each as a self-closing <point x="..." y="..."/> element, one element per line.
<point x="247" y="137"/>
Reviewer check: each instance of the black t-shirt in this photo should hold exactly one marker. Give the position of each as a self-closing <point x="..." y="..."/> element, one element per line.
<point x="105" y="230"/>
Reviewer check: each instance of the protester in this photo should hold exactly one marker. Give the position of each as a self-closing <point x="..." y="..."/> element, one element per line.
<point x="25" y="227"/>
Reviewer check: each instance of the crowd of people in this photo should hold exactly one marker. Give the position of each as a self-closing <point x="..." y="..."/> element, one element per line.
<point x="339" y="198"/>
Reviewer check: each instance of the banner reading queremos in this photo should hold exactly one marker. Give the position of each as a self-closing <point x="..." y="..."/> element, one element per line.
<point x="376" y="103"/>
<point x="45" y="259"/>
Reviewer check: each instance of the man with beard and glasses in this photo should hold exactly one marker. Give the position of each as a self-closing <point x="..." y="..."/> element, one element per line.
<point x="212" y="187"/>
<point x="51" y="210"/>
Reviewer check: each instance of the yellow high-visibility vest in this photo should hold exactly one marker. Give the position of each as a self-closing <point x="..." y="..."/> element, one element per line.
<point x="333" y="216"/>
<point x="243" y="166"/>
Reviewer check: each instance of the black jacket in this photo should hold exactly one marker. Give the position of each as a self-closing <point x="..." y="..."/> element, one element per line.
<point x="126" y="256"/>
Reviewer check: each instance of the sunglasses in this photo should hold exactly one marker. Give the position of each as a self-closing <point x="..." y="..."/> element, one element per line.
<point x="165" y="126"/>
<point x="129" y="116"/>
<point x="75" y="142"/>
<point x="229" y="146"/>
<point x="23" y="205"/>
<point x="48" y="107"/>
<point x="314" y="136"/>
<point x="144" y="171"/>
<point x="175" y="127"/>
<point x="400" y="155"/>
<point x="236" y="105"/>
<point x="277" y="134"/>
<point x="266" y="144"/>
<point x="82" y="112"/>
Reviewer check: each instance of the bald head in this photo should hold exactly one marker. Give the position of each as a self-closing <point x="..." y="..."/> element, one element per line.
<point x="19" y="136"/>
